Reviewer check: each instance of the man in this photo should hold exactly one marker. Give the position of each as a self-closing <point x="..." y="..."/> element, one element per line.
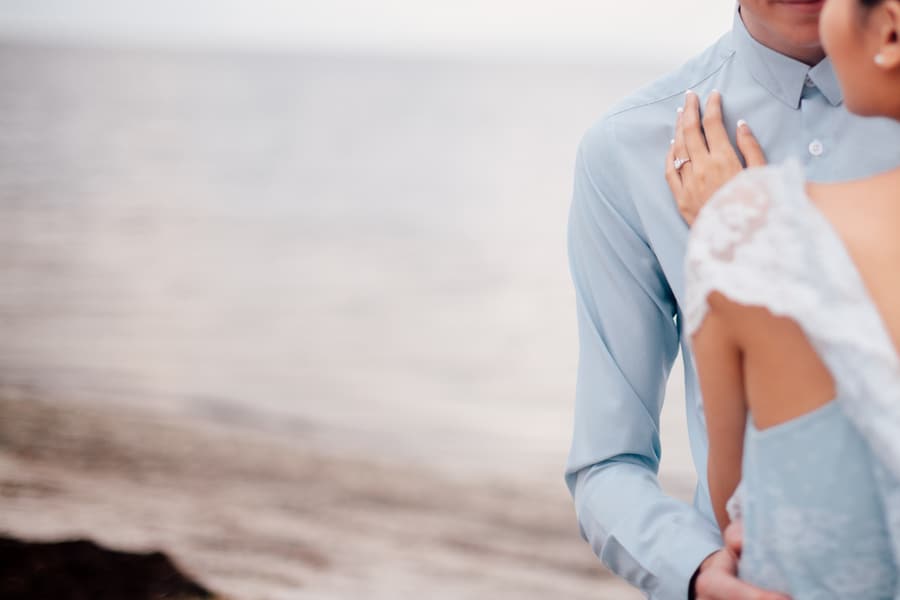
<point x="626" y="250"/>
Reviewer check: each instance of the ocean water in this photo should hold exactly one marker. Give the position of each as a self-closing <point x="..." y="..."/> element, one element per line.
<point x="362" y="253"/>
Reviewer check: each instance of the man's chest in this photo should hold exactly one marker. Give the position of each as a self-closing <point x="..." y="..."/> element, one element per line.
<point x="831" y="144"/>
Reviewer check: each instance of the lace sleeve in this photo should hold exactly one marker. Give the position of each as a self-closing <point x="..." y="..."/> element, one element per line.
<point x="732" y="247"/>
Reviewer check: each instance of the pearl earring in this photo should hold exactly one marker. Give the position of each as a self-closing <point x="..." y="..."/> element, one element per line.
<point x="880" y="60"/>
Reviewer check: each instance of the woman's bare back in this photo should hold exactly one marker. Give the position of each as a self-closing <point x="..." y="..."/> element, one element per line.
<point x="784" y="377"/>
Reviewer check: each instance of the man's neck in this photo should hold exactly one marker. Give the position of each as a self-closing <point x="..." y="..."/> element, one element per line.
<point x="812" y="55"/>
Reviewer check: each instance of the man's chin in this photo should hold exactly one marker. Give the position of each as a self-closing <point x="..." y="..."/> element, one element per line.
<point x="805" y="36"/>
<point x="801" y="16"/>
<point x="803" y="8"/>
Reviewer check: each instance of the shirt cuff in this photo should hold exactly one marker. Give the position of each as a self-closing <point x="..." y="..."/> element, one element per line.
<point x="686" y="559"/>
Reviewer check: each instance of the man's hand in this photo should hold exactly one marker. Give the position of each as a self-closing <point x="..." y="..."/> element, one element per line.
<point x="717" y="578"/>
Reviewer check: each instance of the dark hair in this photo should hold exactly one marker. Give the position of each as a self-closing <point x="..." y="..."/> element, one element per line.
<point x="871" y="3"/>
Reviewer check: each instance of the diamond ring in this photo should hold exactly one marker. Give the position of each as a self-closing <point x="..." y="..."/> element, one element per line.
<point x="680" y="162"/>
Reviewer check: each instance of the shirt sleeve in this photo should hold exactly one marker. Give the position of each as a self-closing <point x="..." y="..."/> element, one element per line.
<point x="628" y="341"/>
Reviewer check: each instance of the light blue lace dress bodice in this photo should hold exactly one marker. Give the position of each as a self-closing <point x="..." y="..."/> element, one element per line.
<point x="814" y="525"/>
<point x="820" y="494"/>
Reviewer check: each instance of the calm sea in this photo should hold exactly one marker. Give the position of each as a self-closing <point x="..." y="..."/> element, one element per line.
<point x="362" y="253"/>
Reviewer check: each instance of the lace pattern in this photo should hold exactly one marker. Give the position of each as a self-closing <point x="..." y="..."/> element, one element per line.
<point x="760" y="241"/>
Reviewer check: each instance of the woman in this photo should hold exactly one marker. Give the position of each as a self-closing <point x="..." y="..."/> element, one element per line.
<point x="793" y="305"/>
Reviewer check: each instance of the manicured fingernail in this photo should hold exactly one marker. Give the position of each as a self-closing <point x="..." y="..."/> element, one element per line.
<point x="742" y="123"/>
<point x="671" y="142"/>
<point x="680" y="109"/>
<point x="689" y="92"/>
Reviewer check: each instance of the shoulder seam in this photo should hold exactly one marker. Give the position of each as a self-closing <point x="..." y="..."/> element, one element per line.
<point x="625" y="109"/>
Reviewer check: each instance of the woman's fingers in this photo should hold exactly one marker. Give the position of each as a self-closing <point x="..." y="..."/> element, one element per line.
<point x="673" y="177"/>
<point x="694" y="139"/>
<point x="734" y="537"/>
<point x="676" y="178"/>
<point x="701" y="158"/>
<point x="714" y="125"/>
<point x="680" y="147"/>
<point x="749" y="146"/>
<point x="719" y="581"/>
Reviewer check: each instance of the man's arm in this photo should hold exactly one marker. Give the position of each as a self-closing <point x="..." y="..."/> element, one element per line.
<point x="628" y="342"/>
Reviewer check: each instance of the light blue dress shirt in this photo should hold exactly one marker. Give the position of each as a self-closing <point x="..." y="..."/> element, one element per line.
<point x="626" y="252"/>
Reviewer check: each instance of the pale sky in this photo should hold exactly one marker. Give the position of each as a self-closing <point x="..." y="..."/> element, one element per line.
<point x="581" y="29"/>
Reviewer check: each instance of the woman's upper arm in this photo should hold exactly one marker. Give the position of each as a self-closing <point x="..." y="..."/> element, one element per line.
<point x="719" y="366"/>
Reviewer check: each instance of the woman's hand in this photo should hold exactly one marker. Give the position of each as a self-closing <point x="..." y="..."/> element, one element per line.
<point x="717" y="578"/>
<point x="701" y="159"/>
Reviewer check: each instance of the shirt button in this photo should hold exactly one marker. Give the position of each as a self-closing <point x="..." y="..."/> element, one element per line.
<point x="809" y="82"/>
<point x="816" y="148"/>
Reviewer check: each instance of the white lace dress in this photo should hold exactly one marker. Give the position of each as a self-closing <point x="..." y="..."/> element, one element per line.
<point x="820" y="495"/>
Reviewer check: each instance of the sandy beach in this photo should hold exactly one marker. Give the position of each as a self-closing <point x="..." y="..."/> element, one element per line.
<point x="255" y="517"/>
<point x="304" y="323"/>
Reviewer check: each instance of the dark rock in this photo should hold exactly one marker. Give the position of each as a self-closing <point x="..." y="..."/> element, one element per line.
<point x="82" y="570"/>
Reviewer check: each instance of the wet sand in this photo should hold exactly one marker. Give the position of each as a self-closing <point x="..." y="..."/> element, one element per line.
<point x="255" y="517"/>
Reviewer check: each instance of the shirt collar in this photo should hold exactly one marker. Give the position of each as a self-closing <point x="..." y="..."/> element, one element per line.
<point x="782" y="75"/>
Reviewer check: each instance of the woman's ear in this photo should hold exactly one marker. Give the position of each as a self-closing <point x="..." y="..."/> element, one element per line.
<point x="887" y="25"/>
